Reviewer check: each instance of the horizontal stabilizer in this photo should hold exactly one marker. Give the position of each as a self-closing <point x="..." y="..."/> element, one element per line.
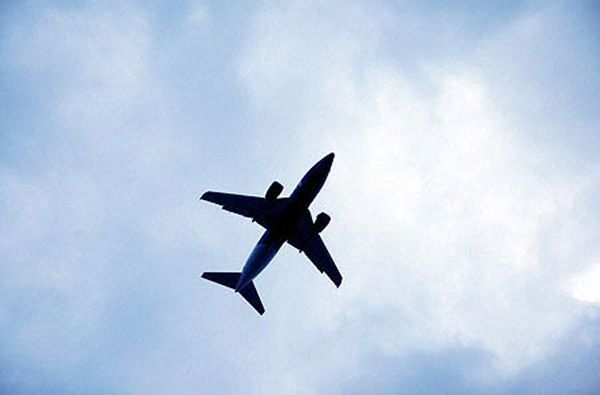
<point x="230" y="280"/>
<point x="251" y="295"/>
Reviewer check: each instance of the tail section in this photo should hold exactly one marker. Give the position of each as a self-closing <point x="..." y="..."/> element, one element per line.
<point x="227" y="279"/>
<point x="251" y="295"/>
<point x="230" y="280"/>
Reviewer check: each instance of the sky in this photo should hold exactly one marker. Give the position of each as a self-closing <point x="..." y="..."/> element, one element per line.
<point x="463" y="196"/>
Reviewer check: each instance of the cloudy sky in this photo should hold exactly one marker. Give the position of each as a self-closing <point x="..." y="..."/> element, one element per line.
<point x="464" y="196"/>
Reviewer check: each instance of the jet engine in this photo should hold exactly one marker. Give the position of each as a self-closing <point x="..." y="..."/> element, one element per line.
<point x="321" y="222"/>
<point x="273" y="191"/>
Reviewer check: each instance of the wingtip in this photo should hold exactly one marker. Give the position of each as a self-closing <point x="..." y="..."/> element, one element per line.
<point x="204" y="195"/>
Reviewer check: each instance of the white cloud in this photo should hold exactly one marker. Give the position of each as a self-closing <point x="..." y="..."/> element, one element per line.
<point x="454" y="228"/>
<point x="448" y="222"/>
<point x="586" y="286"/>
<point x="95" y="193"/>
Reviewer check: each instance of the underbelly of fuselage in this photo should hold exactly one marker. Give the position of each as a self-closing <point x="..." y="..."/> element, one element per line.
<point x="285" y="222"/>
<point x="262" y="254"/>
<point x="279" y="227"/>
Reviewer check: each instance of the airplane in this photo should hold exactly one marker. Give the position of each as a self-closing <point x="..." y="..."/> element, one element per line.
<point x="285" y="219"/>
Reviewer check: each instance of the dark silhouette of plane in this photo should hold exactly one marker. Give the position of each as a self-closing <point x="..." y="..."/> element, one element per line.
<point x="285" y="219"/>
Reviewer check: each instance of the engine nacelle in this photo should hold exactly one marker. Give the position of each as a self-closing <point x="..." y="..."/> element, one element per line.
<point x="273" y="191"/>
<point x="321" y="222"/>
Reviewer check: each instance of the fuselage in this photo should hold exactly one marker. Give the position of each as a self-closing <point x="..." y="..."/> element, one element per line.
<point x="284" y="220"/>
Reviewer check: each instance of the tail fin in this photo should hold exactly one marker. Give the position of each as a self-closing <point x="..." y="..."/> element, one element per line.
<point x="230" y="280"/>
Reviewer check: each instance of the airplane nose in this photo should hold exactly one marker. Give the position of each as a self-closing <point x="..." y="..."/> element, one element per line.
<point x="329" y="159"/>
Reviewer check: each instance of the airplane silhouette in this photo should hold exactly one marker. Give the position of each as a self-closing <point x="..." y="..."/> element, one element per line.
<point x="285" y="220"/>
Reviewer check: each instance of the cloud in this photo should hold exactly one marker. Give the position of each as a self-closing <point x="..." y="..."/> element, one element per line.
<point x="585" y="286"/>
<point x="458" y="228"/>
<point x="568" y="371"/>
<point x="81" y="216"/>
<point x="455" y="226"/>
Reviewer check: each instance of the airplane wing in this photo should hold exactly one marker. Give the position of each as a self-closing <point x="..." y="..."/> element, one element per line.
<point x="254" y="207"/>
<point x="310" y="243"/>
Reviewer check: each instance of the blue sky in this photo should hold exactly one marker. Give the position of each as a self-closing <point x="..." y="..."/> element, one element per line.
<point x="463" y="196"/>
